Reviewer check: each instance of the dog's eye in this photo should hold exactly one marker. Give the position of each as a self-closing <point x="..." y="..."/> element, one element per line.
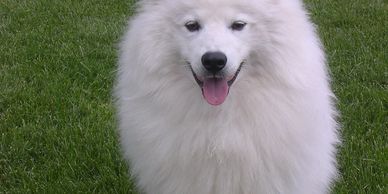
<point x="192" y="26"/>
<point x="238" y="25"/>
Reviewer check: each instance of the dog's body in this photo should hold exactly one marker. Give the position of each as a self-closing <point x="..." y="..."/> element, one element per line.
<point x="272" y="128"/>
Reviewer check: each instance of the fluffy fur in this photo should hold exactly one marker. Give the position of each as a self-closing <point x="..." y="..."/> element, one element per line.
<point x="276" y="130"/>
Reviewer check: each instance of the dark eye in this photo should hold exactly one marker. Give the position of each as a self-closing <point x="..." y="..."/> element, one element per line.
<point x="192" y="26"/>
<point x="238" y="25"/>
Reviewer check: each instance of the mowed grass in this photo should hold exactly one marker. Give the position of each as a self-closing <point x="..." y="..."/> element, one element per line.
<point x="355" y="35"/>
<point x="56" y="116"/>
<point x="57" y="63"/>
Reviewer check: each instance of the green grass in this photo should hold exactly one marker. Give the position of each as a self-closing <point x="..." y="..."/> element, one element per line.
<point x="57" y="62"/>
<point x="355" y="34"/>
<point x="56" y="118"/>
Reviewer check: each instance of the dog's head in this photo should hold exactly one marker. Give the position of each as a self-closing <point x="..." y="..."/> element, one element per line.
<point x="215" y="40"/>
<point x="215" y="49"/>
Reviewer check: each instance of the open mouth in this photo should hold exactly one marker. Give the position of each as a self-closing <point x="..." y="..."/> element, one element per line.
<point x="215" y="88"/>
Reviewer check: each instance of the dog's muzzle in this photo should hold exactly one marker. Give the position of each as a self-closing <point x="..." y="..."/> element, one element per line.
<point x="215" y="86"/>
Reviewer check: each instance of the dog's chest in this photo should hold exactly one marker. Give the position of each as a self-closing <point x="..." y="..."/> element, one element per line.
<point x="231" y="154"/>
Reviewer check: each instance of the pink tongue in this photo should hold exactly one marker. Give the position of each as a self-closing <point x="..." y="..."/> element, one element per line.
<point x="215" y="90"/>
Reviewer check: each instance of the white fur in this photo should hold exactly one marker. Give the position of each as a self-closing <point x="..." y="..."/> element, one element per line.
<point x="276" y="131"/>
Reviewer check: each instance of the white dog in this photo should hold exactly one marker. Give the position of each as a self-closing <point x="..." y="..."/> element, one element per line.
<point x="225" y="97"/>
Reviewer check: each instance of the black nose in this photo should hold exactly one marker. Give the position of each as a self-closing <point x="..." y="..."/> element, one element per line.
<point x="214" y="61"/>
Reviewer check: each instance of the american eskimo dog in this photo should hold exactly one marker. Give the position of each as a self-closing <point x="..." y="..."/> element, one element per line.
<point x="225" y="97"/>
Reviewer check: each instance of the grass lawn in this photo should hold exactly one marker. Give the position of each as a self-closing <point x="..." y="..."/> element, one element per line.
<point x="57" y="63"/>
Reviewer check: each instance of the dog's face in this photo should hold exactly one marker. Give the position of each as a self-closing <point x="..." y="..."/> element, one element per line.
<point x="215" y="39"/>
<point x="215" y="43"/>
<point x="209" y="38"/>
